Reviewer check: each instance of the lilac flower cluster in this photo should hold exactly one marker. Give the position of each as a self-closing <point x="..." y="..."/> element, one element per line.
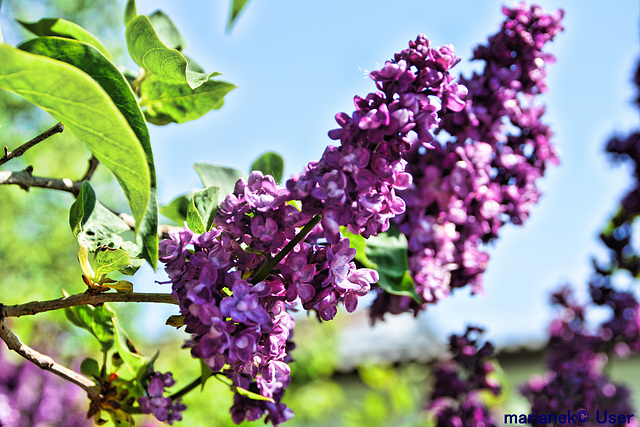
<point x="577" y="356"/>
<point x="30" y="396"/>
<point x="355" y="185"/>
<point x="235" y="283"/>
<point x="465" y="189"/>
<point x="617" y="237"/>
<point x="162" y="407"/>
<point x="455" y="399"/>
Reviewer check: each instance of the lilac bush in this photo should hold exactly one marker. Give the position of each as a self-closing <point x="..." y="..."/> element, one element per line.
<point x="482" y="173"/>
<point x="273" y="247"/>
<point x="578" y="355"/>
<point x="459" y="382"/>
<point x="441" y="162"/>
<point x="31" y="397"/>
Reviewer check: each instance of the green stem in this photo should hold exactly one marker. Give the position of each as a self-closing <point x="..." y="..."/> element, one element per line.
<point x="268" y="267"/>
<point x="186" y="389"/>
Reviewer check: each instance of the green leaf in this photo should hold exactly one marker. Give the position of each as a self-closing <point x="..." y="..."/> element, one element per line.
<point x="76" y="100"/>
<point x="96" y="227"/>
<point x="108" y="260"/>
<point x="97" y="320"/>
<point x="90" y="367"/>
<point x="388" y="251"/>
<point x="82" y="208"/>
<point x="194" y="220"/>
<point x="236" y="7"/>
<point x="270" y="163"/>
<point x="107" y="75"/>
<point x="148" y="51"/>
<point x="205" y="373"/>
<point x="358" y="242"/>
<point x="167" y="30"/>
<point x="251" y="395"/>
<point x="130" y="11"/>
<point x="167" y="102"/>
<point x="176" y="210"/>
<point x="206" y="202"/>
<point x="66" y="29"/>
<point x="222" y="177"/>
<point x="132" y="362"/>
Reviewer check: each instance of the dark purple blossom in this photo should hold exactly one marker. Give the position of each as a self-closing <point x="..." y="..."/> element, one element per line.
<point x="482" y="172"/>
<point x="154" y="402"/>
<point x="456" y="396"/>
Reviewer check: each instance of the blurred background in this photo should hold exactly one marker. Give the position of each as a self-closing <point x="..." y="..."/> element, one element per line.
<point x="296" y="65"/>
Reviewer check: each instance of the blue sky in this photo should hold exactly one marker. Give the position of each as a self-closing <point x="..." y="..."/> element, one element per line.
<point x="298" y="63"/>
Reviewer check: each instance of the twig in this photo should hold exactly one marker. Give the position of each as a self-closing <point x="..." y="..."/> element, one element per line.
<point x="34" y="307"/>
<point x="8" y="155"/>
<point x="186" y="389"/>
<point x="24" y="179"/>
<point x="46" y="362"/>
<point x="93" y="164"/>
<point x="268" y="266"/>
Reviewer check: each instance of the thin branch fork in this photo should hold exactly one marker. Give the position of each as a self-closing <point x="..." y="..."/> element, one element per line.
<point x="8" y="155"/>
<point x="46" y="362"/>
<point x="35" y="307"/>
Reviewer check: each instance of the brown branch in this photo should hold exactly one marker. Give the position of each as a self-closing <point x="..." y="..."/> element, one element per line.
<point x="34" y="307"/>
<point x="163" y="229"/>
<point x="93" y="164"/>
<point x="8" y="155"/>
<point x="25" y="180"/>
<point x="46" y="362"/>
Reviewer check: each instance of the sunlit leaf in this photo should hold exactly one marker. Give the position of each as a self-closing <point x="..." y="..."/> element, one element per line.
<point x="76" y="100"/>
<point x="97" y="227"/>
<point x="122" y="286"/>
<point x="148" y="51"/>
<point x="388" y="251"/>
<point x="167" y="30"/>
<point x="206" y="202"/>
<point x="251" y="395"/>
<point x="222" y="177"/>
<point x="167" y="102"/>
<point x="176" y="210"/>
<point x="236" y="7"/>
<point x="194" y="219"/>
<point x="132" y="362"/>
<point x="82" y="208"/>
<point x="63" y="28"/>
<point x="130" y="11"/>
<point x="97" y="320"/>
<point x="107" y="75"/>
<point x="270" y="163"/>
<point x="359" y="243"/>
<point x="108" y="260"/>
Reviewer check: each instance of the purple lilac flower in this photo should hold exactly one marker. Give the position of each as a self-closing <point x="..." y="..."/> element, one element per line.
<point x="30" y="396"/>
<point x="483" y="174"/>
<point x="355" y="184"/>
<point x="162" y="407"/>
<point x="240" y="326"/>
<point x="456" y="396"/>
<point x="577" y="355"/>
